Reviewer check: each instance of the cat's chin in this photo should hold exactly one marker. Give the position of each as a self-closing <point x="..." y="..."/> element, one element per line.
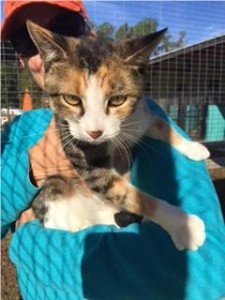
<point x="98" y="142"/>
<point x="92" y="142"/>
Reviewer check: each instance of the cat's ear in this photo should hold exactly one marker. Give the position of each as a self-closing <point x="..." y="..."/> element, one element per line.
<point x="136" y="51"/>
<point x="47" y="43"/>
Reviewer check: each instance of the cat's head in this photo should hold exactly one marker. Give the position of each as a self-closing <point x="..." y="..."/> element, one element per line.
<point x="93" y="84"/>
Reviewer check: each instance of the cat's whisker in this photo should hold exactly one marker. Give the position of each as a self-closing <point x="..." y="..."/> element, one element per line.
<point x="125" y="153"/>
<point x="119" y="147"/>
<point x="68" y="142"/>
<point x="143" y="145"/>
<point x="132" y="123"/>
<point x="136" y="141"/>
<point x="130" y="153"/>
<point x="152" y="148"/>
<point x="65" y="135"/>
<point x="60" y="142"/>
<point x="131" y="137"/>
<point x="130" y="130"/>
<point x="126" y="150"/>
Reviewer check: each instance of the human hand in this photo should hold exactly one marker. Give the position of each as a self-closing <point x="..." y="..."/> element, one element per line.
<point x="26" y="216"/>
<point x="47" y="157"/>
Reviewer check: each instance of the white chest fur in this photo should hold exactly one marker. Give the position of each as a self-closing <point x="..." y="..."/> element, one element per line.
<point x="78" y="212"/>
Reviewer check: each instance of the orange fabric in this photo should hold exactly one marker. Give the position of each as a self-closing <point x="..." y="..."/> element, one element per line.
<point x="48" y="158"/>
<point x="12" y="9"/>
<point x="27" y="101"/>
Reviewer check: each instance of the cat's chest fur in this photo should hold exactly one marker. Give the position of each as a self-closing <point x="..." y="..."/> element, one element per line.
<point x="79" y="211"/>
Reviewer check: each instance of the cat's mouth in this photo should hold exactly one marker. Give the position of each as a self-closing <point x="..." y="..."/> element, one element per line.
<point x="96" y="138"/>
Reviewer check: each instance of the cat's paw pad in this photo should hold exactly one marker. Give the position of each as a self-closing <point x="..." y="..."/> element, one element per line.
<point x="190" y="234"/>
<point x="197" y="152"/>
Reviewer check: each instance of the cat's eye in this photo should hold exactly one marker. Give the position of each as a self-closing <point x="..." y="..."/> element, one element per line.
<point x="72" y="100"/>
<point x="117" y="100"/>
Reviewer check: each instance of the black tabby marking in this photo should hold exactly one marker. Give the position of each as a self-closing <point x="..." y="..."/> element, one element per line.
<point x="125" y="218"/>
<point x="92" y="54"/>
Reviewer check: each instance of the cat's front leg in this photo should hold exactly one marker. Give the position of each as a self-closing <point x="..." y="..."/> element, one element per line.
<point x="161" y="130"/>
<point x="186" y="231"/>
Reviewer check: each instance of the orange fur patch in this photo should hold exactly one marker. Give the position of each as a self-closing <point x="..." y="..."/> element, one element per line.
<point x="161" y="130"/>
<point x="127" y="197"/>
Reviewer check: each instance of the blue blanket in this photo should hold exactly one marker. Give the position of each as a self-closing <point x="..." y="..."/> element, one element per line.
<point x="106" y="263"/>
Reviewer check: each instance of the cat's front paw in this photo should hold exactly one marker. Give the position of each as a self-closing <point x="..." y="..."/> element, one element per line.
<point x="189" y="234"/>
<point x="196" y="151"/>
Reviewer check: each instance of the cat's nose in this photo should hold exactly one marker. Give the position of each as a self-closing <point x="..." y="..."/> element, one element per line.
<point x="95" y="134"/>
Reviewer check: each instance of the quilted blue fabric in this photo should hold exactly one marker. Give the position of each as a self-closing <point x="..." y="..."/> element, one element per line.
<point x="103" y="262"/>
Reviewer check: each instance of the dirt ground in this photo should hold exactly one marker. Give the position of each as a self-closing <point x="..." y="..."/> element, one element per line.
<point x="9" y="289"/>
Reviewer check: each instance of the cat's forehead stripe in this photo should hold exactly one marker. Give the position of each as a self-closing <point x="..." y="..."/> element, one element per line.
<point x="92" y="54"/>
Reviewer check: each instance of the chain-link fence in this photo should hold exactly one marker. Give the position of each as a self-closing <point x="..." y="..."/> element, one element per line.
<point x="189" y="83"/>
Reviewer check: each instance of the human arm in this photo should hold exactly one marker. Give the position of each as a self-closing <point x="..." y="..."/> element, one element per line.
<point x="15" y="168"/>
<point x="31" y="151"/>
<point x="17" y="189"/>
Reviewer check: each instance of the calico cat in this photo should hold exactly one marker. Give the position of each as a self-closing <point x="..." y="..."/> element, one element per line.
<point x="95" y="89"/>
